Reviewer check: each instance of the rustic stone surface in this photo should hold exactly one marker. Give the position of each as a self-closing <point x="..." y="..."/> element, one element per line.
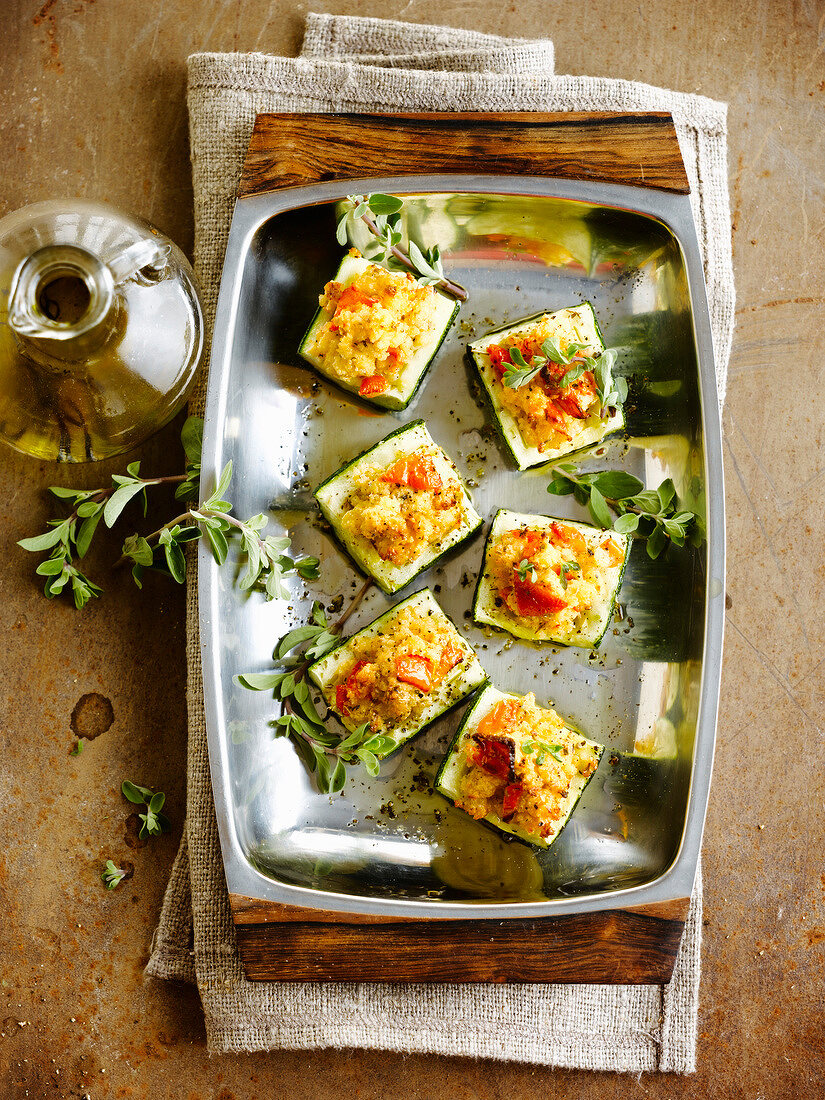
<point x="94" y="108"/>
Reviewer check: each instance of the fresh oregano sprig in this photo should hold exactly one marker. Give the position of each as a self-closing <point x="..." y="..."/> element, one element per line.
<point x="153" y="821"/>
<point x="526" y="570"/>
<point x="543" y="749"/>
<point x="381" y="214"/>
<point x="267" y="562"/>
<point x="324" y="754"/>
<point x="68" y="540"/>
<point x="611" y="391"/>
<point x="656" y="515"/>
<point x="112" y="876"/>
<point x="519" y="372"/>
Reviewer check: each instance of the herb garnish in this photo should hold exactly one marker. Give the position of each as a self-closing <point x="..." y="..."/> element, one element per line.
<point x="567" y="570"/>
<point x="529" y="747"/>
<point x="323" y="753"/>
<point x="611" y="391"/>
<point x="69" y="539"/>
<point x="526" y="570"/>
<point x="154" y="822"/>
<point x="656" y="515"/>
<point x="519" y="372"/>
<point x="381" y="214"/>
<point x="112" y="876"/>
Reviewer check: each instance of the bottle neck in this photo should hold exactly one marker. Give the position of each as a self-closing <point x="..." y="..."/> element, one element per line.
<point x="62" y="299"/>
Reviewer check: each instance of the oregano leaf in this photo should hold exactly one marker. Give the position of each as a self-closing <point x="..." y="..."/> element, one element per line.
<point x="626" y="523"/>
<point x="295" y="638"/>
<point x="384" y="204"/>
<point x="599" y="509"/>
<point x="259" y="681"/>
<point x="119" y="499"/>
<point x="617" y="484"/>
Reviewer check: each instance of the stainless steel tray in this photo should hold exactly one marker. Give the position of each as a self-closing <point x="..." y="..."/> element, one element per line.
<point x="389" y="845"/>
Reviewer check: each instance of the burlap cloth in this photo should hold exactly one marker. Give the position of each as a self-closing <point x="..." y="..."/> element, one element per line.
<point x="355" y="64"/>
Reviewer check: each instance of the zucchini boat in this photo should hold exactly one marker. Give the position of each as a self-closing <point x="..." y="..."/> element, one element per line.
<point x="541" y="418"/>
<point x="377" y="331"/>
<point x="550" y="580"/>
<point x="398" y="507"/>
<point x="517" y="767"/>
<point x="400" y="673"/>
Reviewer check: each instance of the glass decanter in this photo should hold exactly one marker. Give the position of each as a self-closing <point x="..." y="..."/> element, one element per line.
<point x="101" y="330"/>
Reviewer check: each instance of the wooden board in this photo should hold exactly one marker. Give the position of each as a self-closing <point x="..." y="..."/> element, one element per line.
<point x="618" y="946"/>
<point x="283" y="943"/>
<point x="614" y="147"/>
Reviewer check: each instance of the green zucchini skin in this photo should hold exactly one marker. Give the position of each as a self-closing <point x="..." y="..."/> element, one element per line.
<point x="489" y="694"/>
<point x="392" y="579"/>
<point x="524" y="457"/>
<point x="323" y="672"/>
<point x="481" y="596"/>
<point x="385" y="401"/>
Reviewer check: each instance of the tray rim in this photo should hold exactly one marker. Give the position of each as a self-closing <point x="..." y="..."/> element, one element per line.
<point x="673" y="211"/>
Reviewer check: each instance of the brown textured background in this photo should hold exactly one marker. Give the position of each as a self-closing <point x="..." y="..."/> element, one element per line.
<point x="93" y="107"/>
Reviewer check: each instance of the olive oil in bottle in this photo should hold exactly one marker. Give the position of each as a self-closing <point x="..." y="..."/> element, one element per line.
<point x="101" y="331"/>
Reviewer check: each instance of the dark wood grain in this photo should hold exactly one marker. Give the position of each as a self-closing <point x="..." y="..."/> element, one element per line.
<point x="250" y="911"/>
<point x="618" y="946"/>
<point x="291" y="150"/>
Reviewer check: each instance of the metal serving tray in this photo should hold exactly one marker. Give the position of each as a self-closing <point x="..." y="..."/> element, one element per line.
<point x="389" y="845"/>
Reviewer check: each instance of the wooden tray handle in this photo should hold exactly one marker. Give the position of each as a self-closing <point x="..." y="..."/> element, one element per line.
<point x="283" y="943"/>
<point x="293" y="150"/>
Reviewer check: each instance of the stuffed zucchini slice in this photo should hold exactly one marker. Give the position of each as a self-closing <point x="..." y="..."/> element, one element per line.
<point x="377" y="331"/>
<point x="539" y="415"/>
<point x="518" y="767"/>
<point x="398" y="507"/>
<point x="400" y="673"/>
<point x="550" y="580"/>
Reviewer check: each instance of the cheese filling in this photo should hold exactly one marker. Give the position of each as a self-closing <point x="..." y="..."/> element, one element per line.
<point x="548" y="413"/>
<point x="388" y="680"/>
<point x="519" y="763"/>
<point x="378" y="321"/>
<point x="552" y="576"/>
<point x="403" y="510"/>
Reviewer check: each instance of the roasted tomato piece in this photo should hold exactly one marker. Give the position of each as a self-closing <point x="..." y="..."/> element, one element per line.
<point x="498" y="357"/>
<point x="510" y="800"/>
<point x="351" y="298"/>
<point x="450" y="656"/>
<point x="499" y="718"/>
<point x="531" y="541"/>
<point x="350" y="692"/>
<point x="536" y="599"/>
<point x="569" y="403"/>
<point x="556" y="417"/>
<point x="415" y="670"/>
<point x="372" y="384"/>
<point x="569" y="536"/>
<point x="496" y="756"/>
<point x="418" y="473"/>
<point x="398" y="473"/>
<point x="422" y="474"/>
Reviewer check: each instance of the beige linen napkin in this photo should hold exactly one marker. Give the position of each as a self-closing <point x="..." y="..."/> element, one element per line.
<point x="356" y="64"/>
